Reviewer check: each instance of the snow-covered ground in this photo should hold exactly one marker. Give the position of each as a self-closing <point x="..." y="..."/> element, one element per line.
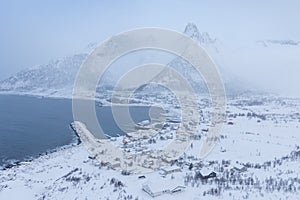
<point x="257" y="157"/>
<point x="261" y="135"/>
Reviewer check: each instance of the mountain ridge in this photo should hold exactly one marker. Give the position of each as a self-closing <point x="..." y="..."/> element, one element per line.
<point x="57" y="77"/>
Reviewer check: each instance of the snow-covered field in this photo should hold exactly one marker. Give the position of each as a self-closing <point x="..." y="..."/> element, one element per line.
<point x="257" y="156"/>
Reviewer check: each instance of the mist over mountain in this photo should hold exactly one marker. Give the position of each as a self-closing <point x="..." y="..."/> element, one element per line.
<point x="267" y="43"/>
<point x="57" y="77"/>
<point x="217" y="51"/>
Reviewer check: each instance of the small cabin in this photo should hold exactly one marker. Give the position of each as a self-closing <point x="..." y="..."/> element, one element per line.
<point x="155" y="190"/>
<point x="170" y="170"/>
<point x="239" y="168"/>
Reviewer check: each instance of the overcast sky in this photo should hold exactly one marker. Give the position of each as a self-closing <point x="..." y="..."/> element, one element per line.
<point x="34" y="32"/>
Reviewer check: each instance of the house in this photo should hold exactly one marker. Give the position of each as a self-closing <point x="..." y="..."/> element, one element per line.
<point x="230" y="123"/>
<point x="178" y="189"/>
<point x="170" y="170"/>
<point x="205" y="173"/>
<point x="155" y="190"/>
<point x="198" y="175"/>
<point x="205" y="130"/>
<point x="239" y="168"/>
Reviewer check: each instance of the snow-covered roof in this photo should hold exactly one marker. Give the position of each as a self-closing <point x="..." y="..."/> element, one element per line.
<point x="171" y="168"/>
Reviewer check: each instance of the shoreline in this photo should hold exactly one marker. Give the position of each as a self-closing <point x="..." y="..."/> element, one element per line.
<point x="8" y="163"/>
<point x="17" y="163"/>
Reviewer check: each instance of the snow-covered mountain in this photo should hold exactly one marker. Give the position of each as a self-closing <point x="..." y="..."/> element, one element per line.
<point x="57" y="77"/>
<point x="217" y="51"/>
<point x="192" y="31"/>
<point x="267" y="43"/>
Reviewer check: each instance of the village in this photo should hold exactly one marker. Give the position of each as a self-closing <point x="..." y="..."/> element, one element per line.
<point x="256" y="155"/>
<point x="240" y="160"/>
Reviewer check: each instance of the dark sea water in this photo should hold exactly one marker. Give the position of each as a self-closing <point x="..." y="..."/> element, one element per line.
<point x="30" y="126"/>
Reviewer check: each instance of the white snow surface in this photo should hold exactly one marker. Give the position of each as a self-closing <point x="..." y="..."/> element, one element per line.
<point x="266" y="143"/>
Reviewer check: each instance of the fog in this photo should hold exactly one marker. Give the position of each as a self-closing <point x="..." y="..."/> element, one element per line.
<point x="35" y="32"/>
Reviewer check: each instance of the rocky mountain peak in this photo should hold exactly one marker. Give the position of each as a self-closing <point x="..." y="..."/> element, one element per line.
<point x="192" y="31"/>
